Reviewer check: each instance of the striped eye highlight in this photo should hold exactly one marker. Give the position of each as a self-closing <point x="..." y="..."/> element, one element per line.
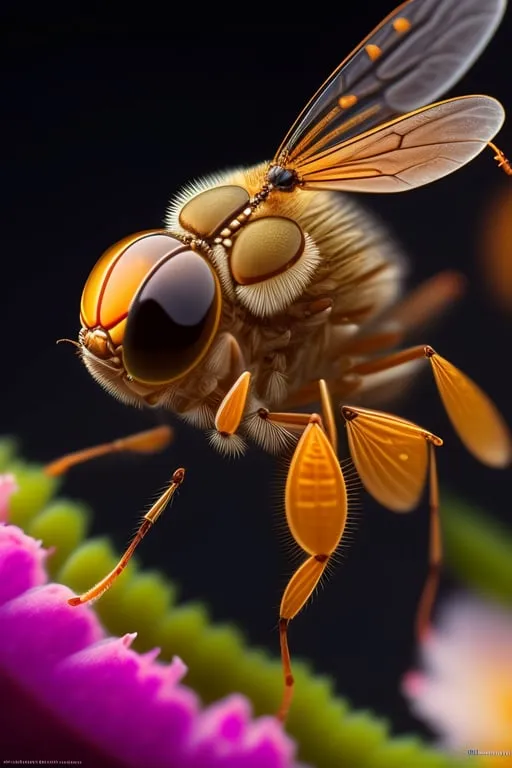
<point x="172" y="320"/>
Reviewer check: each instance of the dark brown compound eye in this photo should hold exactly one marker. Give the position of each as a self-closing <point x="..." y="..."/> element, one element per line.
<point x="172" y="320"/>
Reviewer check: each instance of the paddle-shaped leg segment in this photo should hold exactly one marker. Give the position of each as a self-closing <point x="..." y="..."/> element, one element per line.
<point x="148" y="521"/>
<point x="149" y="441"/>
<point x="316" y="511"/>
<point x="229" y="416"/>
<point x="392" y="457"/>
<point x="231" y="410"/>
<point x="474" y="416"/>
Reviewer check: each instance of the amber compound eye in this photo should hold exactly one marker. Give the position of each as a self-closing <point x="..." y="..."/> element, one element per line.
<point x="172" y="320"/>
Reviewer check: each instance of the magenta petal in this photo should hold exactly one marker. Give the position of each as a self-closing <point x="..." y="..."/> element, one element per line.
<point x="39" y="629"/>
<point x="146" y="723"/>
<point x="226" y="737"/>
<point x="127" y="706"/>
<point x="21" y="563"/>
<point x="227" y="719"/>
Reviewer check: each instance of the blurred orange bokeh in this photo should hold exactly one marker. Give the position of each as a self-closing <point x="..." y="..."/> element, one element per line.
<point x="496" y="247"/>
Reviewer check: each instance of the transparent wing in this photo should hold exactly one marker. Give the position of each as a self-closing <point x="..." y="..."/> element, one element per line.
<point x="409" y="151"/>
<point x="414" y="56"/>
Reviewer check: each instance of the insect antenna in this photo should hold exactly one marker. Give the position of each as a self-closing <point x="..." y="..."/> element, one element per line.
<point x="69" y="341"/>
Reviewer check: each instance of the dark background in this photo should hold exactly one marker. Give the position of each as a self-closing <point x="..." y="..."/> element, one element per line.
<point x="100" y="126"/>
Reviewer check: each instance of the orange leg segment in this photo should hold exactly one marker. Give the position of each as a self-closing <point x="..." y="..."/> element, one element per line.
<point x="316" y="512"/>
<point x="473" y="415"/>
<point x="500" y="158"/>
<point x="148" y="521"/>
<point x="428" y="597"/>
<point x="393" y="457"/>
<point x="229" y="417"/>
<point x="149" y="441"/>
<point x="231" y="410"/>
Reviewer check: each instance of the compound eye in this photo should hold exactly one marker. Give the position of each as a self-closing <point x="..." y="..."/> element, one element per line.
<point x="266" y="247"/>
<point x="208" y="211"/>
<point x="116" y="277"/>
<point x="172" y="320"/>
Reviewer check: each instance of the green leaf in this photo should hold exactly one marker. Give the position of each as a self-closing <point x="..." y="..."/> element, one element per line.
<point x="8" y="449"/>
<point x="34" y="492"/>
<point x="478" y="549"/>
<point x="61" y="526"/>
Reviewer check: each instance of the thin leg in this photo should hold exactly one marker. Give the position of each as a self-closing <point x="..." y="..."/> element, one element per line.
<point x="371" y="343"/>
<point x="426" y="303"/>
<point x="428" y="597"/>
<point x="339" y="388"/>
<point x="299" y="421"/>
<point x="148" y="521"/>
<point x="500" y="158"/>
<point x="473" y="415"/>
<point x="289" y="682"/>
<point x="300" y="588"/>
<point x="149" y="441"/>
<point x="393" y="458"/>
<point x="328" y="414"/>
<point x="316" y="511"/>
<point x="390" y="361"/>
<point x="417" y="309"/>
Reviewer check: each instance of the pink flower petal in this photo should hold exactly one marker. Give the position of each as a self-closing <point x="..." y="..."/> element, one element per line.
<point x="464" y="690"/>
<point x="21" y="563"/>
<point x="129" y="707"/>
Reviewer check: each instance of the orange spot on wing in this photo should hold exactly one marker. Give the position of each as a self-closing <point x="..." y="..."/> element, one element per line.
<point x="347" y="101"/>
<point x="401" y="25"/>
<point x="373" y="51"/>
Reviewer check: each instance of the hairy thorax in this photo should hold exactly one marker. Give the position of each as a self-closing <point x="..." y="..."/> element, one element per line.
<point x="298" y="326"/>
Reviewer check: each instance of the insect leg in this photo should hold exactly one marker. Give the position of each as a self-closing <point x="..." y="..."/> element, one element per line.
<point x="328" y="414"/>
<point x="474" y="416"/>
<point x="148" y="521"/>
<point x="389" y="361"/>
<point x="427" y="302"/>
<point x="149" y="441"/>
<point x="415" y="311"/>
<point x="339" y="388"/>
<point x="500" y="158"/>
<point x="299" y="421"/>
<point x="229" y="416"/>
<point x="316" y="512"/>
<point x="435" y="555"/>
<point x="231" y="410"/>
<point x="299" y="589"/>
<point x="392" y="457"/>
